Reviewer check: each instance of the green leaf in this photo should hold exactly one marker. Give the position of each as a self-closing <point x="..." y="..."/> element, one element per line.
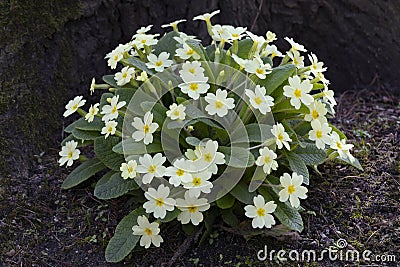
<point x="244" y="48"/>
<point x="286" y="107"/>
<point x="103" y="149"/>
<point x="311" y="155"/>
<point x="109" y="79"/>
<point x="278" y="76"/>
<point x="167" y="43"/>
<point x="297" y="165"/>
<point x="258" y="132"/>
<point x="86" y="135"/>
<point x="80" y="142"/>
<point x="125" y="94"/>
<point x="229" y="217"/>
<point x="138" y="64"/>
<point x="113" y="186"/>
<point x="158" y="110"/>
<point x="103" y="99"/>
<point x="130" y="147"/>
<point x="287" y="215"/>
<point x="237" y="157"/>
<point x="241" y="193"/>
<point x="356" y="163"/>
<point x="82" y="124"/>
<point x="198" y="48"/>
<point x="83" y="172"/>
<point x="171" y="215"/>
<point x="123" y="241"/>
<point x="340" y="133"/>
<point x="226" y="201"/>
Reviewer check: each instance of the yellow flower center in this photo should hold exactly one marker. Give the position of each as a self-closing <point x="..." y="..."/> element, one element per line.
<point x="314" y="66"/>
<point x="176" y="113"/>
<point x="116" y="57"/>
<point x="124" y="75"/>
<point x="318" y="134"/>
<point x="180" y="172"/>
<point x="143" y="41"/>
<point x="130" y="169"/>
<point x="219" y="104"/>
<point x="291" y="189"/>
<point x="148" y="231"/>
<point x="280" y="137"/>
<point x="295" y="61"/>
<point x="152" y="169"/>
<point x="110" y="129"/>
<point x="190" y="52"/>
<point x="235" y="35"/>
<point x="192" y="209"/>
<point x="267" y="159"/>
<point x="258" y="100"/>
<point x="160" y="201"/>
<point x="75" y="107"/>
<point x="273" y="54"/>
<point x="259" y="71"/>
<point x="194" y="86"/>
<point x="159" y="63"/>
<point x="261" y="212"/>
<point x="192" y="70"/>
<point x="208" y="157"/>
<point x="315" y="114"/>
<point x="146" y="129"/>
<point x="196" y="181"/>
<point x="114" y="109"/>
<point x="297" y="93"/>
<point x="339" y="145"/>
<point x="70" y="154"/>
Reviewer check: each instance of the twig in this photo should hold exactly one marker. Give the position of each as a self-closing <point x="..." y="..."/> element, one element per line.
<point x="184" y="246"/>
<point x="258" y="14"/>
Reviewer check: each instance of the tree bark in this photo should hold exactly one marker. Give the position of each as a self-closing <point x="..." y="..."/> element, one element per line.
<point x="51" y="49"/>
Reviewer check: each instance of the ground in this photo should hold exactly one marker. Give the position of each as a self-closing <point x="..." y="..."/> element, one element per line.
<point x="42" y="225"/>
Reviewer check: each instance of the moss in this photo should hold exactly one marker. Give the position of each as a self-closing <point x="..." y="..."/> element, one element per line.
<point x="29" y="102"/>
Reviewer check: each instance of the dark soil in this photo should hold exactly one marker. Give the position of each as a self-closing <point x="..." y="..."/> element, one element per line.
<point x="42" y="225"/>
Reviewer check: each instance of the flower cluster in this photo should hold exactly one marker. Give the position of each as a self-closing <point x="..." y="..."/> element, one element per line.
<point x="239" y="81"/>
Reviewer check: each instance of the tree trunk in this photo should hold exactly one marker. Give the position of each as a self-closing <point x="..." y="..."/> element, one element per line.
<point x="51" y="49"/>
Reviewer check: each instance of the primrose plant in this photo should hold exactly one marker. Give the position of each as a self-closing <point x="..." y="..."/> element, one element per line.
<point x="195" y="133"/>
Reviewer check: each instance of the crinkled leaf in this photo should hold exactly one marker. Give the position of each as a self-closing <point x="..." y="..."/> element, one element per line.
<point x="297" y="165"/>
<point x="278" y="76"/>
<point x="85" y="135"/>
<point x="83" y="172"/>
<point x="109" y="79"/>
<point x="286" y="214"/>
<point x="125" y="94"/>
<point x="167" y="43"/>
<point x="229" y="217"/>
<point x="158" y="110"/>
<point x="237" y="157"/>
<point x="103" y="149"/>
<point x="311" y="155"/>
<point x="258" y="132"/>
<point x="226" y="201"/>
<point x="241" y="193"/>
<point x="81" y="143"/>
<point x="113" y="186"/>
<point x="131" y="147"/>
<point x="244" y="48"/>
<point x="171" y="215"/>
<point x="123" y="241"/>
<point x="138" y="64"/>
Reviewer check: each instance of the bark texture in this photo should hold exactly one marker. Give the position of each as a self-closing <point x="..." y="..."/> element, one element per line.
<point x="50" y="50"/>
